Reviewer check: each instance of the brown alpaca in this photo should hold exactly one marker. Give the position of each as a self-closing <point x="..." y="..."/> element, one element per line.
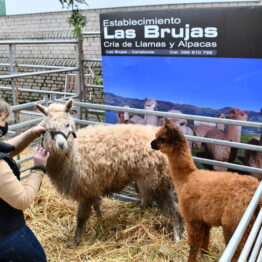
<point x="206" y="198"/>
<point x="232" y="133"/>
<point x="180" y="123"/>
<point x="254" y="158"/>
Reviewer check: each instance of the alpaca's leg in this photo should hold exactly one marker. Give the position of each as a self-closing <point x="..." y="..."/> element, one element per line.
<point x="195" y="239"/>
<point x="96" y="206"/>
<point x="243" y="241"/>
<point x="145" y="194"/>
<point x="83" y="213"/>
<point x="205" y="238"/>
<point x="229" y="226"/>
<point x="227" y="234"/>
<point x="178" y="224"/>
<point x="167" y="202"/>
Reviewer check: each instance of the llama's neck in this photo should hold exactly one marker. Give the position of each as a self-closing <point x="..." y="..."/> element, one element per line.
<point x="60" y="169"/>
<point x="151" y="120"/>
<point x="181" y="165"/>
<point x="220" y="126"/>
<point x="58" y="159"/>
<point x="233" y="133"/>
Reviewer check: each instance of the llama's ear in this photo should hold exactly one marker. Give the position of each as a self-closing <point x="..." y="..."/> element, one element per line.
<point x="168" y="122"/>
<point x="68" y="105"/>
<point x="42" y="109"/>
<point x="173" y="134"/>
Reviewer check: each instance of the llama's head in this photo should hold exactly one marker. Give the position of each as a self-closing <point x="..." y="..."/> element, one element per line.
<point x="60" y="127"/>
<point x="150" y="104"/>
<point x="236" y="114"/>
<point x="168" y="138"/>
<point x="123" y="117"/>
<point x="178" y="122"/>
<point x="221" y="115"/>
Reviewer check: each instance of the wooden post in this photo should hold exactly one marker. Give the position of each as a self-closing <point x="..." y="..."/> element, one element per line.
<point x="80" y="73"/>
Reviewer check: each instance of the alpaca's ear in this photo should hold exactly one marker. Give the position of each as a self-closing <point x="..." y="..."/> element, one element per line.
<point x="168" y="122"/>
<point x="68" y="105"/>
<point x="42" y="109"/>
<point x="173" y="135"/>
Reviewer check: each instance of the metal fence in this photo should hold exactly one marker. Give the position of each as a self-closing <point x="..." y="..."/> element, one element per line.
<point x="229" y="252"/>
<point x="12" y="64"/>
<point x="51" y="96"/>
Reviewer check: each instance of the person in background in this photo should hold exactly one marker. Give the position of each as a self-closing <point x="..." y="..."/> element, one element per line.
<point x="17" y="242"/>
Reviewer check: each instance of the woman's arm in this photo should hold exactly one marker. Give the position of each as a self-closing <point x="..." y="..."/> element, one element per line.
<point x="16" y="194"/>
<point x="21" y="141"/>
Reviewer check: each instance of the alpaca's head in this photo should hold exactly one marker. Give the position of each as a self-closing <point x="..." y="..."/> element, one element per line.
<point x="221" y="115"/>
<point x="168" y="138"/>
<point x="60" y="126"/>
<point x="237" y="114"/>
<point x="178" y="122"/>
<point x="123" y="117"/>
<point x="150" y="104"/>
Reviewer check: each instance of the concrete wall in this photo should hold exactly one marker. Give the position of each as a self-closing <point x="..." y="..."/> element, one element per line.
<point x="54" y="26"/>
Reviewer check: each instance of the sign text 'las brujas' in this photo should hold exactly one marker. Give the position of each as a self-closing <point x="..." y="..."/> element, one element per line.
<point x="182" y="32"/>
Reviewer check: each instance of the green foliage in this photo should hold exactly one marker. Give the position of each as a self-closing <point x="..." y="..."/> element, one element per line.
<point x="245" y="137"/>
<point x="77" y="20"/>
<point x="71" y="2"/>
<point x="97" y="81"/>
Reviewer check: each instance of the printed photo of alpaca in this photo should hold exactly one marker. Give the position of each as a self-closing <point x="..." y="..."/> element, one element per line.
<point x="149" y="104"/>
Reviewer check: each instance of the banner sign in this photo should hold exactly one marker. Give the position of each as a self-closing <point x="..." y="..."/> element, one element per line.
<point x="220" y="32"/>
<point x="196" y="60"/>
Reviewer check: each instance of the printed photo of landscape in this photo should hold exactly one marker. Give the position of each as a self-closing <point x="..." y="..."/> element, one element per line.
<point x="193" y="85"/>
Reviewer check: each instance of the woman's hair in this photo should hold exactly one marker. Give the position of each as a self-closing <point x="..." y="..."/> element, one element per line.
<point x="5" y="108"/>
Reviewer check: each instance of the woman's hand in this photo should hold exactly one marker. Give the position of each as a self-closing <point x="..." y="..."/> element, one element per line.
<point x="41" y="156"/>
<point x="38" y="130"/>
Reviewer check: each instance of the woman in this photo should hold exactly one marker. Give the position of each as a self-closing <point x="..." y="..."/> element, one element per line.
<point x="17" y="241"/>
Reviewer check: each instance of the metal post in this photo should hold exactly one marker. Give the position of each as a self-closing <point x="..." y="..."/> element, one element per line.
<point x="53" y="97"/>
<point x="256" y="247"/>
<point x="13" y="81"/>
<point x="46" y="100"/>
<point x="240" y="230"/>
<point x="251" y="238"/>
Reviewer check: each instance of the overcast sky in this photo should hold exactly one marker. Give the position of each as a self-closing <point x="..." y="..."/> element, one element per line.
<point x="40" y="6"/>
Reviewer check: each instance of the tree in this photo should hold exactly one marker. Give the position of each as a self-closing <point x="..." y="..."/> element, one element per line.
<point x="77" y="20"/>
